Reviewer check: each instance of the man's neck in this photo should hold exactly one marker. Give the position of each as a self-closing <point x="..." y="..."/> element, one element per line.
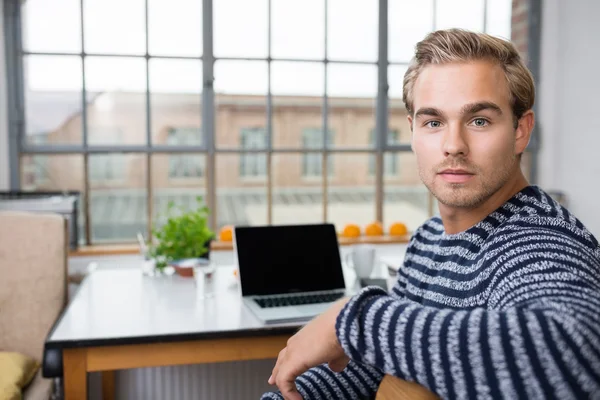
<point x="460" y="219"/>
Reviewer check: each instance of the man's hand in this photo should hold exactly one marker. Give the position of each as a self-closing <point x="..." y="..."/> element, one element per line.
<point x="313" y="345"/>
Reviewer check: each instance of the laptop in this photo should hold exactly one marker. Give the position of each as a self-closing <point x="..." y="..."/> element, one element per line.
<point x="289" y="273"/>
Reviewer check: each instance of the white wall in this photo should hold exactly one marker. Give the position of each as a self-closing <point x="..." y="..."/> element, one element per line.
<point x="569" y="98"/>
<point x="4" y="167"/>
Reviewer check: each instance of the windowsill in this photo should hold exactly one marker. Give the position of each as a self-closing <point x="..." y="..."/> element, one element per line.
<point x="125" y="249"/>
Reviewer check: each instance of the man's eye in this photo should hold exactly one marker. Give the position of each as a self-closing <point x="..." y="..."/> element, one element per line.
<point x="433" y="124"/>
<point x="480" y="122"/>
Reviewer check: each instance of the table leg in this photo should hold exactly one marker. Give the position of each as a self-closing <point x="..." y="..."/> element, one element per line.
<point x="108" y="385"/>
<point x="75" y="374"/>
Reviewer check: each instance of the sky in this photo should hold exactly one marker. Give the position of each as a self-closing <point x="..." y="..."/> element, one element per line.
<point x="240" y="30"/>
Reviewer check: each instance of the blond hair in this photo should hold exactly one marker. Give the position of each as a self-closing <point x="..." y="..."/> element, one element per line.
<point x="457" y="45"/>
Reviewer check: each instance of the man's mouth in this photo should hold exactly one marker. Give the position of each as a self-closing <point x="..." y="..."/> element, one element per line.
<point x="456" y="175"/>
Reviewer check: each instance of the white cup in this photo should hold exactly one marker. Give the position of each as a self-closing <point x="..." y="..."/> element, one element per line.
<point x="362" y="260"/>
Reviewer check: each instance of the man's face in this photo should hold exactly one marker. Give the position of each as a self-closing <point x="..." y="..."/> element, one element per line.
<point x="463" y="132"/>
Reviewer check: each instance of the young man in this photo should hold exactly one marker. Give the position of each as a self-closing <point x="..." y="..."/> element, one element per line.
<point x="500" y="297"/>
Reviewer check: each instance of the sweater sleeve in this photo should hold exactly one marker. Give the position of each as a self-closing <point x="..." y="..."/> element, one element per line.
<point x="547" y="346"/>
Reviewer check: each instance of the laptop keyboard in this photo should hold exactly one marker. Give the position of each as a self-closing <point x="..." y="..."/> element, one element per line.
<point x="283" y="301"/>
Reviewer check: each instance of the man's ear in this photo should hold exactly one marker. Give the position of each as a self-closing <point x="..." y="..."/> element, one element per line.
<point x="523" y="131"/>
<point x="410" y="125"/>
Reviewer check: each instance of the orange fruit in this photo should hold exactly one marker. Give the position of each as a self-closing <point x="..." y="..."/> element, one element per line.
<point x="398" y="229"/>
<point x="374" y="229"/>
<point x="351" y="231"/>
<point x="226" y="234"/>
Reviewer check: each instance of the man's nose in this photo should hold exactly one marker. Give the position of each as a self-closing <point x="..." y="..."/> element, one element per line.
<point x="454" y="142"/>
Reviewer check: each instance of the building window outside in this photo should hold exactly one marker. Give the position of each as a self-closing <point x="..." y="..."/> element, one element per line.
<point x="312" y="163"/>
<point x="390" y="162"/>
<point x="253" y="165"/>
<point x="107" y="168"/>
<point x="185" y="166"/>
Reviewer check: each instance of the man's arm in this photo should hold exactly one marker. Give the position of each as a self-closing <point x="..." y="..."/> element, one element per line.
<point x="545" y="345"/>
<point x="356" y="381"/>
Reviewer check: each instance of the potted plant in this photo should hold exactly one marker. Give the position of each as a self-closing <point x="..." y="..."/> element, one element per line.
<point x="184" y="236"/>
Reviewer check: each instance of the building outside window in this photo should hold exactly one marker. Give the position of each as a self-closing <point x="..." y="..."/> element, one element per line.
<point x="253" y="165"/>
<point x="312" y="163"/>
<point x="390" y="160"/>
<point x="107" y="168"/>
<point x="185" y="166"/>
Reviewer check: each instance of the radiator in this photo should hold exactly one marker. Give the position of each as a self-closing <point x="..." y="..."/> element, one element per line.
<point x="221" y="381"/>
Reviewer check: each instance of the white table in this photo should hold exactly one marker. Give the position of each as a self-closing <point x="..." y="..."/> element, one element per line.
<point x="121" y="319"/>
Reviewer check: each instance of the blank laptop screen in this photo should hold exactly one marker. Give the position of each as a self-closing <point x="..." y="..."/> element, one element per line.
<point x="288" y="259"/>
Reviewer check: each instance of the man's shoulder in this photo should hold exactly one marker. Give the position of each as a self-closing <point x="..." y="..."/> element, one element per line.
<point x="547" y="222"/>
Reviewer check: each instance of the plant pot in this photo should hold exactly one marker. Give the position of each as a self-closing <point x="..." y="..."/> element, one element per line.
<point x="186" y="267"/>
<point x="185" y="271"/>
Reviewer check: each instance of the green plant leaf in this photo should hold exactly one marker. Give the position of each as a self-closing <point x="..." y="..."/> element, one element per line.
<point x="185" y="234"/>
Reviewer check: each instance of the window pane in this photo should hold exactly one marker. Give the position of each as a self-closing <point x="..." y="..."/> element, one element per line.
<point x="297" y="198"/>
<point x="396" y="82"/>
<point x="297" y="102"/>
<point x="390" y="161"/>
<point x="114" y="26"/>
<point x="352" y="30"/>
<point x="53" y="99"/>
<point x="297" y="78"/>
<point x="120" y="105"/>
<point x="351" y="193"/>
<point x="242" y="33"/>
<point x="175" y="27"/>
<point x="499" y="13"/>
<point x="177" y="178"/>
<point x="42" y="33"/>
<point x="298" y="29"/>
<point x="240" y="99"/>
<point x="312" y="163"/>
<point x="406" y="199"/>
<point x="397" y="114"/>
<point x="176" y="101"/>
<point x="240" y="200"/>
<point x="55" y="173"/>
<point x="118" y="197"/>
<point x="408" y="23"/>
<point x="468" y="16"/>
<point x="351" y="107"/>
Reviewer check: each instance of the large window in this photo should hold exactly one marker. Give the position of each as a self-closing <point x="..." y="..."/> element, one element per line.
<point x="123" y="87"/>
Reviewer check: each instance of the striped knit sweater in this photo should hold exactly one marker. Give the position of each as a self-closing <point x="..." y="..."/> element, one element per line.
<point x="509" y="308"/>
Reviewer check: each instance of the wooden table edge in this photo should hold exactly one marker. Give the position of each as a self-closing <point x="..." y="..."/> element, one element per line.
<point x="107" y="359"/>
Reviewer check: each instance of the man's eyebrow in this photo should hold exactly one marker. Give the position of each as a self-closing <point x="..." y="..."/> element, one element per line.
<point x="480" y="106"/>
<point x="429" y="111"/>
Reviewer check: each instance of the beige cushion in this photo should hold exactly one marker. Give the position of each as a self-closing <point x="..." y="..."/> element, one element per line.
<point x="33" y="259"/>
<point x="16" y="371"/>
